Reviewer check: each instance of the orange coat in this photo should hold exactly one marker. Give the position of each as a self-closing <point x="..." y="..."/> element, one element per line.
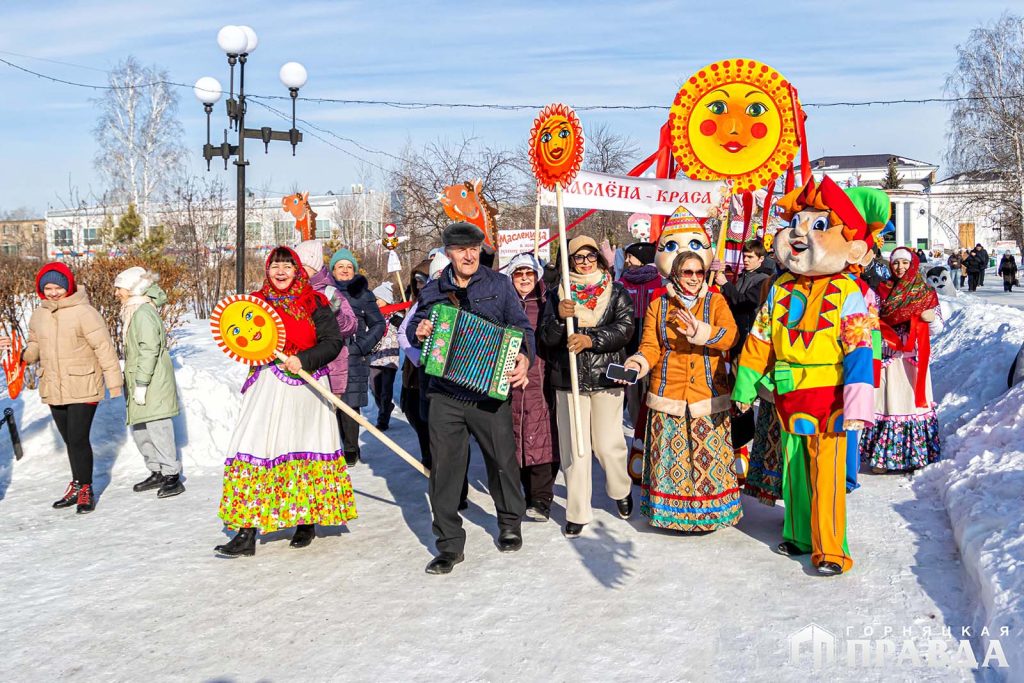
<point x="687" y="372"/>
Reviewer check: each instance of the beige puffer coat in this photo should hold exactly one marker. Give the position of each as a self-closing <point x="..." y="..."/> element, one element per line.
<point x="75" y="352"/>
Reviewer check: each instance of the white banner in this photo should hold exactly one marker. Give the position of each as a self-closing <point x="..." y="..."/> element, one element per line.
<point x="512" y="242"/>
<point x="656" y="196"/>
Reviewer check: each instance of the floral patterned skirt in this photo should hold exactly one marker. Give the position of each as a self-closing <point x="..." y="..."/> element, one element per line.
<point x="764" y="479"/>
<point x="285" y="466"/>
<point x="904" y="436"/>
<point x="688" y="479"/>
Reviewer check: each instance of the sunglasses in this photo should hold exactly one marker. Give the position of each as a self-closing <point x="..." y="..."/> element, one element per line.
<point x="692" y="273"/>
<point x="584" y="258"/>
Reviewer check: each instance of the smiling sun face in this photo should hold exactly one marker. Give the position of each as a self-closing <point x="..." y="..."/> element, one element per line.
<point x="733" y="120"/>
<point x="556" y="145"/>
<point x="247" y="329"/>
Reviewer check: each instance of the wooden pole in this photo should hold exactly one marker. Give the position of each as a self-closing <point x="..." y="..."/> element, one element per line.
<point x="401" y="287"/>
<point x="575" y="418"/>
<point x="336" y="402"/>
<point x="536" y="227"/>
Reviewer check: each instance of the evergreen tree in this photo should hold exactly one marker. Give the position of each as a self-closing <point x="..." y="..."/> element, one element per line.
<point x="892" y="179"/>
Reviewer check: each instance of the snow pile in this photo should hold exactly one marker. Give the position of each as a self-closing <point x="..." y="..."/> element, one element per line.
<point x="982" y="473"/>
<point x="208" y="393"/>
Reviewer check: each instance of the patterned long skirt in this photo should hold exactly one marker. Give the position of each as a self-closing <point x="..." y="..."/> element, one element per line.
<point x="284" y="467"/>
<point x="764" y="480"/>
<point x="904" y="436"/>
<point x="689" y="483"/>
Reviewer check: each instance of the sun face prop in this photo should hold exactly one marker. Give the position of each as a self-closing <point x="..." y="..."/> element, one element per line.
<point x="556" y="146"/>
<point x="734" y="120"/>
<point x="247" y="329"/>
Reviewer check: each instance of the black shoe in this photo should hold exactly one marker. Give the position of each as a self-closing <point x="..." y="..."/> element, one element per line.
<point x="625" y="506"/>
<point x="86" y="500"/>
<point x="830" y="569"/>
<point x="572" y="529"/>
<point x="70" y="496"/>
<point x="463" y="504"/>
<point x="351" y="459"/>
<point x="304" y="535"/>
<point x="443" y="563"/>
<point x="539" y="511"/>
<point x="244" y="543"/>
<point x="510" y="540"/>
<point x="154" y="481"/>
<point x="791" y="549"/>
<point x="172" y="486"/>
<point x="383" y="426"/>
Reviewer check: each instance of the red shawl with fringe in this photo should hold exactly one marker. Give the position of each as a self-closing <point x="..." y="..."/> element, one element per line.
<point x="903" y="300"/>
<point x="295" y="305"/>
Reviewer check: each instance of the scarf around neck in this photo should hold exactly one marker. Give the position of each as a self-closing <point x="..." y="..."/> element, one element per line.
<point x="295" y="305"/>
<point x="128" y="309"/>
<point x="591" y="293"/>
<point x="906" y="298"/>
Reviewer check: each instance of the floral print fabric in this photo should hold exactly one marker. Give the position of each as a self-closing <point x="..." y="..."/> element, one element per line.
<point x="902" y="443"/>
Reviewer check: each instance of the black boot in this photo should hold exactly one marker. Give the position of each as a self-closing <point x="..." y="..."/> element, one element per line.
<point x="443" y="563"/>
<point x="351" y="459"/>
<point x="70" y="496"/>
<point x="625" y="506"/>
<point x="172" y="486"/>
<point x="304" y="535"/>
<point x="830" y="569"/>
<point x="86" y="500"/>
<point x="244" y="544"/>
<point x="572" y="529"/>
<point x="154" y="481"/>
<point x="510" y="540"/>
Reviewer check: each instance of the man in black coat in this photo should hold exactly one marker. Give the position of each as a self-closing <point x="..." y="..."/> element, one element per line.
<point x="457" y="412"/>
<point x="983" y="257"/>
<point x="744" y="295"/>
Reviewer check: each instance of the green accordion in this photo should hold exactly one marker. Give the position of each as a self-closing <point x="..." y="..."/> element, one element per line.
<point x="471" y="351"/>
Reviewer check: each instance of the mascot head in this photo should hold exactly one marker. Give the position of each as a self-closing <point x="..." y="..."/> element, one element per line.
<point x="639" y="225"/>
<point x="830" y="230"/>
<point x="682" y="232"/>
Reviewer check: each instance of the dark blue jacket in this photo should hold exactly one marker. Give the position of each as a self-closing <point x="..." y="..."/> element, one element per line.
<point x="489" y="294"/>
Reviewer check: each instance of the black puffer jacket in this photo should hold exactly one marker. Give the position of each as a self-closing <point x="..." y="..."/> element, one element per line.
<point x="610" y="337"/>
<point x="369" y="330"/>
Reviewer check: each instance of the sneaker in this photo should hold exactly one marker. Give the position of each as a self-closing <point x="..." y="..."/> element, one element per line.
<point x="70" y="496"/>
<point x="86" y="500"/>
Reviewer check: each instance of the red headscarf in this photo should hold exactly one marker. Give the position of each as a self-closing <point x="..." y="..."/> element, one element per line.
<point x="295" y="305"/>
<point x="903" y="300"/>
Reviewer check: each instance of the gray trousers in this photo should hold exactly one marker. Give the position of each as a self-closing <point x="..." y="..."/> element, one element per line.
<point x="155" y="440"/>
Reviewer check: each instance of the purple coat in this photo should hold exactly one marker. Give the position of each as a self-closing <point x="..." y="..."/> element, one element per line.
<point x="337" y="369"/>
<point x="533" y="407"/>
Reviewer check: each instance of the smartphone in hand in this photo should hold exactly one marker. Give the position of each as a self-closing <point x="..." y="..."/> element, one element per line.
<point x="621" y="373"/>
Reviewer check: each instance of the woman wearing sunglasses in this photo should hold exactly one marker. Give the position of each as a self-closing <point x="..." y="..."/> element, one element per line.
<point x="688" y="481"/>
<point x="604" y="322"/>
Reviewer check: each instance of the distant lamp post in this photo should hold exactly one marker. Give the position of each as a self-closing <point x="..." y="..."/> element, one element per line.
<point x="238" y="42"/>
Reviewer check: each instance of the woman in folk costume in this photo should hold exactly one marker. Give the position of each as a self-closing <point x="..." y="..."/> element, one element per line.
<point x="284" y="467"/>
<point x="906" y="432"/>
<point x="688" y="483"/>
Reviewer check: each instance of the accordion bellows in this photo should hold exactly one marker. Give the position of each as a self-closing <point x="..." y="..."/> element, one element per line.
<point x="471" y="351"/>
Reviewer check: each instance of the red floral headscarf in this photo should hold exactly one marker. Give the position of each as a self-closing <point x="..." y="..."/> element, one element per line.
<point x="906" y="298"/>
<point x="295" y="304"/>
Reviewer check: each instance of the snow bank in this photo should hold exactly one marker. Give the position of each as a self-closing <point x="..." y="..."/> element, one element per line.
<point x="982" y="473"/>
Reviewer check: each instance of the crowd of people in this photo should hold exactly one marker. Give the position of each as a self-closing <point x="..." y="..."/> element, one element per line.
<point x="677" y="340"/>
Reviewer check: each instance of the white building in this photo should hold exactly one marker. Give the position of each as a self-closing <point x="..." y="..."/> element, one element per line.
<point x="354" y="219"/>
<point x="927" y="214"/>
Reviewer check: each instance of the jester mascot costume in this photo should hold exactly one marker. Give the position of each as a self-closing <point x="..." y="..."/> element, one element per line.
<point x="812" y="344"/>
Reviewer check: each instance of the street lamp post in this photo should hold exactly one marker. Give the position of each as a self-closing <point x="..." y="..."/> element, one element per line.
<point x="238" y="42"/>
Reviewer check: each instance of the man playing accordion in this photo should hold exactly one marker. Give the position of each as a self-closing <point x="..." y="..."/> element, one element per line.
<point x="456" y="412"/>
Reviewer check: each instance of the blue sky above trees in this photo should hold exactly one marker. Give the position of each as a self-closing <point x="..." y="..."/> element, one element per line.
<point x="528" y="52"/>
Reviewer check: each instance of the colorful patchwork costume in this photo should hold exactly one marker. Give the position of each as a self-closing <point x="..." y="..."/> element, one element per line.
<point x="812" y="342"/>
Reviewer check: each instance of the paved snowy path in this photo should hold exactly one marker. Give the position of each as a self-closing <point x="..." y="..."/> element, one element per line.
<point x="134" y="592"/>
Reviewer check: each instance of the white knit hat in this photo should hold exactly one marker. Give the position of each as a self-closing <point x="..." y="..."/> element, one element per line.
<point x="136" y="280"/>
<point x="901" y="253"/>
<point x="524" y="260"/>
<point x="384" y="292"/>
<point x="438" y="263"/>
<point x="311" y="253"/>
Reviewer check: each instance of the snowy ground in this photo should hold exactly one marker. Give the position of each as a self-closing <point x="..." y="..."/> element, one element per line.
<point x="134" y="591"/>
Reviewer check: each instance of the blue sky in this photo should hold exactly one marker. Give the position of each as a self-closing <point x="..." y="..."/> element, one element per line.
<point x="597" y="52"/>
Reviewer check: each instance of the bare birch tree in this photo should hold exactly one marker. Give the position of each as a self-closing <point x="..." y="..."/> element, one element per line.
<point x="139" y="135"/>
<point x="986" y="126"/>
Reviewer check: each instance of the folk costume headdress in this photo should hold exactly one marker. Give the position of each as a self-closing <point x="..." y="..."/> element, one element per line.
<point x="295" y="304"/>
